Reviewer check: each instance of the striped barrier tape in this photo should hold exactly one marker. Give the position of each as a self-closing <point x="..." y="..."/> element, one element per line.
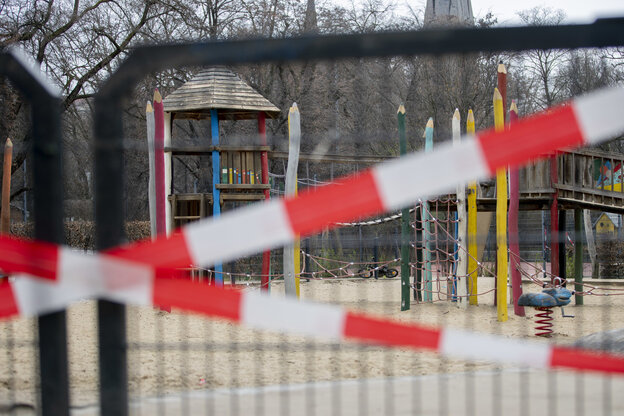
<point x="131" y="273"/>
<point x="260" y="311"/>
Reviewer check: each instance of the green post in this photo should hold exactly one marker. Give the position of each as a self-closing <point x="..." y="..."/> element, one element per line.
<point x="578" y="255"/>
<point x="405" y="226"/>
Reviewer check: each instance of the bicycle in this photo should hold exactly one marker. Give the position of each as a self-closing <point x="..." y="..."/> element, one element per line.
<point x="384" y="270"/>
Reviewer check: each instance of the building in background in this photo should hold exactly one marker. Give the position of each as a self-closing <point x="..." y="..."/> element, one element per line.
<point x="448" y="12"/>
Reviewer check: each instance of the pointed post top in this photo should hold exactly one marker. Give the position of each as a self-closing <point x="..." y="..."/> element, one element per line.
<point x="497" y="95"/>
<point x="294" y="107"/>
<point x="401" y="109"/>
<point x="514" y="107"/>
<point x="470" y="123"/>
<point x="470" y="116"/>
<point x="501" y="68"/>
<point x="456" y="114"/>
<point x="8" y="142"/>
<point x="157" y="96"/>
<point x="149" y="108"/>
<point x="428" y="126"/>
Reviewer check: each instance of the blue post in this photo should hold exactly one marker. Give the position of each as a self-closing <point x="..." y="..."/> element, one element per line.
<point x="216" y="176"/>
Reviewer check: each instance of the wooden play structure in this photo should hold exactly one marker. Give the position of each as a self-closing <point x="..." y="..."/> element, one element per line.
<point x="571" y="180"/>
<point x="239" y="173"/>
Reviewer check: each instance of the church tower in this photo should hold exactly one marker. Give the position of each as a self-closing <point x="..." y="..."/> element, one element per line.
<point x="448" y="12"/>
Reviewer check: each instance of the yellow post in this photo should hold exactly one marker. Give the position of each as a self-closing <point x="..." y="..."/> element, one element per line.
<point x="472" y="227"/>
<point x="501" y="218"/>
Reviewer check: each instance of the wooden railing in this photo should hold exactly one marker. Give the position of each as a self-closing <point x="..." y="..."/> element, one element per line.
<point x="587" y="177"/>
<point x="591" y="176"/>
<point x="240" y="180"/>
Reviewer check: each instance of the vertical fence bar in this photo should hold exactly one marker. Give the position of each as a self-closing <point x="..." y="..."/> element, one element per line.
<point x="48" y="216"/>
<point x="109" y="227"/>
<point x="48" y="219"/>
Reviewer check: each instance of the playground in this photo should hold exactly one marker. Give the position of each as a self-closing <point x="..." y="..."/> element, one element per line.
<point x="428" y="290"/>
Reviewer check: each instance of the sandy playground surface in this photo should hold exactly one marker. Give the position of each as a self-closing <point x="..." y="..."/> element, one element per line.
<point x="173" y="353"/>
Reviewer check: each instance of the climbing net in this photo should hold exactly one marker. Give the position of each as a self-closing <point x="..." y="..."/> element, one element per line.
<point x="435" y="230"/>
<point x="437" y="277"/>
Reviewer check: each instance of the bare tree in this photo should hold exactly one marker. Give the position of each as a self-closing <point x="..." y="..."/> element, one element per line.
<point x="544" y="66"/>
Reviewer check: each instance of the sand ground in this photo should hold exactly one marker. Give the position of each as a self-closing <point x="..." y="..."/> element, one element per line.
<point x="173" y="353"/>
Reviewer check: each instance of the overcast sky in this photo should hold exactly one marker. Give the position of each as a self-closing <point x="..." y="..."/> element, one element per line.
<point x="577" y="11"/>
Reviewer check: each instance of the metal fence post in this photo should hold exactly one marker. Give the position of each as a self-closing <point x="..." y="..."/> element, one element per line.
<point x="48" y="216"/>
<point x="109" y="227"/>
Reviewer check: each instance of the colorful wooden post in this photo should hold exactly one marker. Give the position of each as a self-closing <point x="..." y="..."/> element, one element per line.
<point x="5" y="215"/>
<point x="514" y="235"/>
<point x="216" y="194"/>
<point x="462" y="255"/>
<point x="169" y="222"/>
<point x="473" y="266"/>
<point x="426" y="219"/>
<point x="578" y="255"/>
<point x="292" y="267"/>
<point x="159" y="163"/>
<point x="151" y="187"/>
<point x="501" y="219"/>
<point x="264" y="161"/>
<point x="502" y="86"/>
<point x="501" y="83"/>
<point x="405" y="226"/>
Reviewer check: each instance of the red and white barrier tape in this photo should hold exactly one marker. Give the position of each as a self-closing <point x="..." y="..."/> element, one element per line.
<point x="259" y="311"/>
<point x="129" y="274"/>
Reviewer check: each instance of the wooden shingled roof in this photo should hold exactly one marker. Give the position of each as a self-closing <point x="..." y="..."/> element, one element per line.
<point x="218" y="88"/>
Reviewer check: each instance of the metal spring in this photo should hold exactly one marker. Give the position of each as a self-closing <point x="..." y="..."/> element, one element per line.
<point x="544" y="324"/>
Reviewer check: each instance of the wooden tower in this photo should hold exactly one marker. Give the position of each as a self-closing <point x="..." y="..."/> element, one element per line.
<point x="217" y="94"/>
<point x="239" y="173"/>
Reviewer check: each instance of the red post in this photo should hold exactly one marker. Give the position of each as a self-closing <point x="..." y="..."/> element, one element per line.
<point x="5" y="215"/>
<point x="512" y="223"/>
<point x="264" y="158"/>
<point x="159" y="162"/>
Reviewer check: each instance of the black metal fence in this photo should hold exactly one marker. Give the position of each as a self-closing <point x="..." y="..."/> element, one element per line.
<point x="114" y="341"/>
